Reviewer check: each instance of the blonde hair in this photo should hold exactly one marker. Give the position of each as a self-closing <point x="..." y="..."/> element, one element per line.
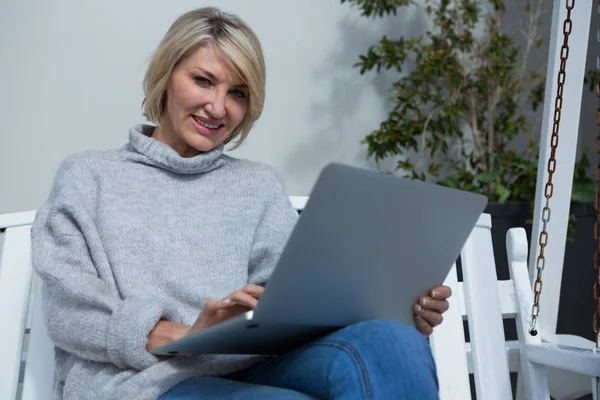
<point x="236" y="42"/>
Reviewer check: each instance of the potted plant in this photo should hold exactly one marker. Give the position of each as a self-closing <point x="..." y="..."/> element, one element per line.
<point x="466" y="105"/>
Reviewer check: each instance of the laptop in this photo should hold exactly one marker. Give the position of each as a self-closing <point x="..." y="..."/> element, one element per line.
<point x="365" y="247"/>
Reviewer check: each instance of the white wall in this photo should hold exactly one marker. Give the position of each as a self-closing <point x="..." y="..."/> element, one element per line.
<point x="71" y="72"/>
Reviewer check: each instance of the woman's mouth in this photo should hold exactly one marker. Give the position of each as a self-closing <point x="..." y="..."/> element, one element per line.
<point x="205" y="127"/>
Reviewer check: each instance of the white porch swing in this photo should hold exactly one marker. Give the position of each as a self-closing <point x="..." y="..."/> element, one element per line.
<point x="563" y="366"/>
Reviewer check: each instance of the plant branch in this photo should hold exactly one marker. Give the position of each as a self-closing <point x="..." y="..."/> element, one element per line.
<point x="534" y="18"/>
<point x="491" y="140"/>
<point x="470" y="94"/>
<point x="424" y="133"/>
<point x="516" y="177"/>
<point x="424" y="137"/>
<point x="474" y="125"/>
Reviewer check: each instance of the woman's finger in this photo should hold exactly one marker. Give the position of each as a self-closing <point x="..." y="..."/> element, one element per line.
<point x="253" y="290"/>
<point x="428" y="303"/>
<point x="423" y="326"/>
<point x="213" y="314"/>
<point x="213" y="306"/>
<point x="433" y="318"/>
<point x="441" y="292"/>
<point x="242" y="298"/>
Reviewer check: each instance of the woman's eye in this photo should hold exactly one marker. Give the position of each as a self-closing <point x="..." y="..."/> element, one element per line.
<point x="202" y="81"/>
<point x="239" y="93"/>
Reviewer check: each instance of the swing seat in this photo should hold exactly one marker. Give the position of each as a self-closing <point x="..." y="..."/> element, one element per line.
<point x="27" y="363"/>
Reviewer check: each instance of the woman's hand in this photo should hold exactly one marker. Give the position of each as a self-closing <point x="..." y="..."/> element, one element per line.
<point x="429" y="309"/>
<point x="235" y="304"/>
<point x="214" y="312"/>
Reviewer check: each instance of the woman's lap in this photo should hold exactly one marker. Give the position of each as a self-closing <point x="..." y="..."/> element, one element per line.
<point x="368" y="360"/>
<point x="206" y="388"/>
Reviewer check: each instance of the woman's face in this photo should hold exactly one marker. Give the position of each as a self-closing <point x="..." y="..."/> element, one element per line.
<point x="206" y="101"/>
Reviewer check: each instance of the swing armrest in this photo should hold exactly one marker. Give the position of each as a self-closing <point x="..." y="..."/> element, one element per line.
<point x="567" y="340"/>
<point x="569" y="358"/>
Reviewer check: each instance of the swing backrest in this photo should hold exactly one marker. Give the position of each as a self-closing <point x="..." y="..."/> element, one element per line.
<point x="27" y="362"/>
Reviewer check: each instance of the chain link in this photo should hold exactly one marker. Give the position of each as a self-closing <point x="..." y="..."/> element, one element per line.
<point x="597" y="223"/>
<point x="549" y="188"/>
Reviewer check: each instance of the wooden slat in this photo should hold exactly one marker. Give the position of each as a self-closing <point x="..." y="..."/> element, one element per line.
<point x="508" y="301"/>
<point x="512" y="354"/>
<point x="38" y="380"/>
<point x="17" y="219"/>
<point x="486" y="330"/>
<point x="534" y="377"/>
<point x="15" y="286"/>
<point x="448" y="348"/>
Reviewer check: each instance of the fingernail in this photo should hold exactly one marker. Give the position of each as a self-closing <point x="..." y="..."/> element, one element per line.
<point x="226" y="300"/>
<point x="419" y="309"/>
<point x="424" y="302"/>
<point x="435" y="293"/>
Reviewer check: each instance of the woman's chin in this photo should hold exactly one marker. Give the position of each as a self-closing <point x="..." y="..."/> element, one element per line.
<point x="202" y="143"/>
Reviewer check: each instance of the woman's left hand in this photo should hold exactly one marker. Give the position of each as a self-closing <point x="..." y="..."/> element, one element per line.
<point x="429" y="309"/>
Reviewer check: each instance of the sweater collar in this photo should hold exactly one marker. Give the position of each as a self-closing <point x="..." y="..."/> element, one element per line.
<point x="163" y="156"/>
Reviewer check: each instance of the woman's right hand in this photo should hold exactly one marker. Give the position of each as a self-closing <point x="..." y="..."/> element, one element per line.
<point x="237" y="303"/>
<point x="214" y="311"/>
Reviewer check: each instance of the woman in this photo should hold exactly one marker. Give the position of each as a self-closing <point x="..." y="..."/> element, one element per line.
<point x="133" y="243"/>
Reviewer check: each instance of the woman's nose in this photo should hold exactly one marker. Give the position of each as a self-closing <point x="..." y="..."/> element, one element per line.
<point x="216" y="105"/>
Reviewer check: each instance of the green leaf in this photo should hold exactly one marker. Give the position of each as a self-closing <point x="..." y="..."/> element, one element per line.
<point x="503" y="193"/>
<point x="434" y="169"/>
<point x="405" y="165"/>
<point x="487" y="177"/>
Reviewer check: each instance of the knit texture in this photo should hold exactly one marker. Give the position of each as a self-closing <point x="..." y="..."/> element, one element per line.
<point x="134" y="235"/>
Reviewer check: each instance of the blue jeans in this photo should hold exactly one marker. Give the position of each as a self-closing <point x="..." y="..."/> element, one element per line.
<point x="369" y="360"/>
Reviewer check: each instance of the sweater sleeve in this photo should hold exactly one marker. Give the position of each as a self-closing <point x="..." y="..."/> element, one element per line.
<point x="274" y="228"/>
<point x="84" y="312"/>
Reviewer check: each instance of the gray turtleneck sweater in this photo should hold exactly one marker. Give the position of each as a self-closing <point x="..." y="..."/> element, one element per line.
<point x="135" y="235"/>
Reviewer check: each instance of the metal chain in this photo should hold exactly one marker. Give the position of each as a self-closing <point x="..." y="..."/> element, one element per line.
<point x="549" y="188"/>
<point x="597" y="209"/>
